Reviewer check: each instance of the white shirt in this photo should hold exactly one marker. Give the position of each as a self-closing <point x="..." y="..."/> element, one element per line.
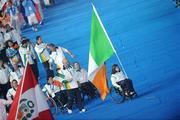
<point x="57" y="56"/>
<point x="7" y="36"/>
<point x="68" y="74"/>
<point x="17" y="74"/>
<point x="4" y="75"/>
<point x="81" y="76"/>
<point x="2" y="44"/>
<point x="16" y="36"/>
<point x="11" y="93"/>
<point x="42" y="52"/>
<point x="3" y="114"/>
<point x="27" y="54"/>
<point x="51" y="89"/>
<point x="117" y="77"/>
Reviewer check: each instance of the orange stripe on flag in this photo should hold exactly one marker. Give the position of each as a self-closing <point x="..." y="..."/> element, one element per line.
<point x="100" y="82"/>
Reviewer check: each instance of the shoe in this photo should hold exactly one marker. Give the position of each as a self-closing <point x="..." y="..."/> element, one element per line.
<point x="82" y="111"/>
<point x="126" y="93"/>
<point x="64" y="105"/>
<point x="120" y="89"/>
<point x="35" y="29"/>
<point x="41" y="22"/>
<point x="134" y="95"/>
<point x="69" y="111"/>
<point x="131" y="93"/>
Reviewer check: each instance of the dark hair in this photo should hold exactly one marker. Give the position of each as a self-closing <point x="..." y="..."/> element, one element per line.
<point x="1" y="13"/>
<point x="114" y="68"/>
<point x="6" y="43"/>
<point x="24" y="41"/>
<point x="3" y="66"/>
<point x="1" y="23"/>
<point x="14" y="80"/>
<point x="50" y="74"/>
<point x="38" y="37"/>
<point x="51" y="45"/>
<point x="75" y="63"/>
<point x="64" y="67"/>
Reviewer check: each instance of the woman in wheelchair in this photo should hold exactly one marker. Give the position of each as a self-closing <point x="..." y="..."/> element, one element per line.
<point x="52" y="89"/>
<point x="121" y="82"/>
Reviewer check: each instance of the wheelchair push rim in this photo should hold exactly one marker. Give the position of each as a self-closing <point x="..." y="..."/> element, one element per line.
<point x="52" y="105"/>
<point x="116" y="95"/>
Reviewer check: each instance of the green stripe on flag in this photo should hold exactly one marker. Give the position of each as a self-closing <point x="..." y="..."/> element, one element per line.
<point x="100" y="46"/>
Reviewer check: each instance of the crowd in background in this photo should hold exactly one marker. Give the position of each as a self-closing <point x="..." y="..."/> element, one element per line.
<point x="21" y="13"/>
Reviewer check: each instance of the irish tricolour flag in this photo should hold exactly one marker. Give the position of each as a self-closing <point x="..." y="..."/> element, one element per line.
<point x="101" y="49"/>
<point x="29" y="102"/>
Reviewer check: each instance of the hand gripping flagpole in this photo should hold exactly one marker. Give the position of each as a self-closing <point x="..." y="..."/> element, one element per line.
<point x="109" y="41"/>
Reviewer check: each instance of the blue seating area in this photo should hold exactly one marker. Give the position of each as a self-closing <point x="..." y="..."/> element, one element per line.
<point x="146" y="36"/>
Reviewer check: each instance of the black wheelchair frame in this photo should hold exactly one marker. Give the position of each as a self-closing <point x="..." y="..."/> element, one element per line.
<point x="119" y="96"/>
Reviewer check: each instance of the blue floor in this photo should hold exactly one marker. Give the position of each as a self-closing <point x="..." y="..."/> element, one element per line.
<point x="146" y="35"/>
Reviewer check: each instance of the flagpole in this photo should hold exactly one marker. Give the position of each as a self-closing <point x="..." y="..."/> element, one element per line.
<point x="121" y="64"/>
<point x="109" y="40"/>
<point x="21" y="91"/>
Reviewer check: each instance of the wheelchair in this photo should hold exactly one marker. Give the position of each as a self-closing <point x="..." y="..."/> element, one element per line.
<point x="55" y="106"/>
<point x="85" y="93"/>
<point x="119" y="96"/>
<point x="52" y="105"/>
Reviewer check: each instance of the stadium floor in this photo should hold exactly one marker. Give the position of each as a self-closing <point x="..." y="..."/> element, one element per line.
<point x="145" y="34"/>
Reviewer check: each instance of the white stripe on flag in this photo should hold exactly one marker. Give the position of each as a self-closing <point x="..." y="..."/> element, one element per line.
<point x="92" y="68"/>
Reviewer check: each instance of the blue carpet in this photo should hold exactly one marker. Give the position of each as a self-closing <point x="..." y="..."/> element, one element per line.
<point x="146" y="35"/>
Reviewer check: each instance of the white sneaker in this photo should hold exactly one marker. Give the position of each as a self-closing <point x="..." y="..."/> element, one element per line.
<point x="83" y="110"/>
<point x="40" y="22"/>
<point x="120" y="88"/>
<point x="69" y="111"/>
<point x="64" y="105"/>
<point x="35" y="29"/>
<point x="126" y="93"/>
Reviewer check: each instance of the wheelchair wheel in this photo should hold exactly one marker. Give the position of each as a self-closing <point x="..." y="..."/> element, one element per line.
<point x="52" y="105"/>
<point x="116" y="95"/>
<point x="61" y="107"/>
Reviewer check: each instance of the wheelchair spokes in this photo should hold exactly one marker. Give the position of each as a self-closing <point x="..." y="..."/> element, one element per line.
<point x="52" y="105"/>
<point x="117" y="96"/>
